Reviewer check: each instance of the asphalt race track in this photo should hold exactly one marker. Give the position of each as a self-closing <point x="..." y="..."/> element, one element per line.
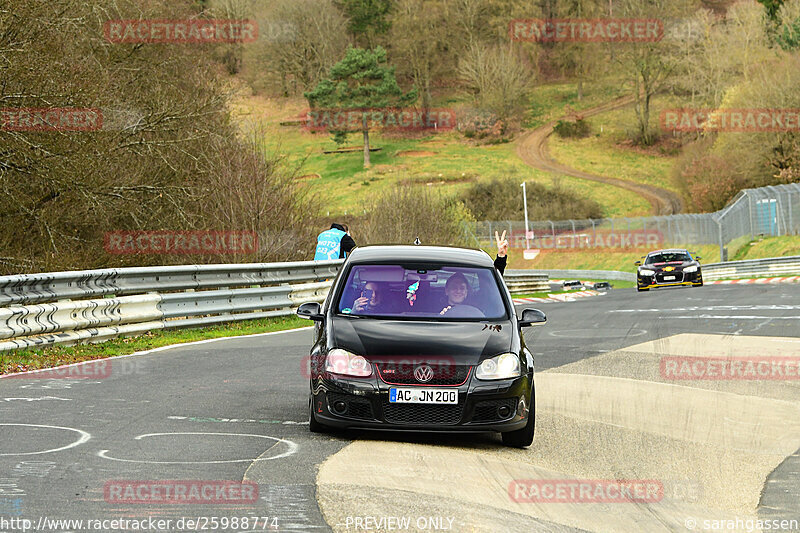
<point x="236" y="410"/>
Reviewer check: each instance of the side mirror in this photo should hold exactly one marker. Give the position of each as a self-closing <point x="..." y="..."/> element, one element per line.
<point x="638" y="263"/>
<point x="697" y="258"/>
<point x="310" y="311"/>
<point x="532" y="316"/>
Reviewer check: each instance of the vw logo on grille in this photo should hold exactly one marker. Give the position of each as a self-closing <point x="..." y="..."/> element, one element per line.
<point x="423" y="373"/>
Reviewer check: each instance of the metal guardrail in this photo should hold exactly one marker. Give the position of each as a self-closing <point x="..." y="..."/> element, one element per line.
<point x="776" y="266"/>
<point x="38" y="310"/>
<point x="36" y="288"/>
<point x="609" y="275"/>
<point x="522" y="281"/>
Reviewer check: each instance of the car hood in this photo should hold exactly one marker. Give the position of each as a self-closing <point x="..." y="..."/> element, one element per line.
<point x="675" y="265"/>
<point x="467" y="343"/>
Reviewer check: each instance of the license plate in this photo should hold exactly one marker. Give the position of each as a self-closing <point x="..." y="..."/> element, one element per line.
<point x="440" y="396"/>
<point x="669" y="278"/>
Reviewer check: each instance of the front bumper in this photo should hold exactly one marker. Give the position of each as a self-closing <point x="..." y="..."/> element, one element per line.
<point x="660" y="279"/>
<point x="479" y="409"/>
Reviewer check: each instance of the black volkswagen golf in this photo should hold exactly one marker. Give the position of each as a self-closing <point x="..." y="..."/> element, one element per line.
<point x="421" y="338"/>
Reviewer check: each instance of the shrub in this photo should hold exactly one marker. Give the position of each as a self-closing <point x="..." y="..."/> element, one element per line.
<point x="576" y="129"/>
<point x="710" y="182"/>
<point x="400" y="215"/>
<point x="501" y="199"/>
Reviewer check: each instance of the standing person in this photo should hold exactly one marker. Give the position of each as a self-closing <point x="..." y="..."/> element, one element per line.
<point x="502" y="252"/>
<point x="334" y="243"/>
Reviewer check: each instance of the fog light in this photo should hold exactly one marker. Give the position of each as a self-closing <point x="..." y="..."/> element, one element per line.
<point x="339" y="406"/>
<point x="503" y="411"/>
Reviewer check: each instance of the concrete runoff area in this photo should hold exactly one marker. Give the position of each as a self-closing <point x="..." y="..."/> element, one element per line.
<point x="711" y="444"/>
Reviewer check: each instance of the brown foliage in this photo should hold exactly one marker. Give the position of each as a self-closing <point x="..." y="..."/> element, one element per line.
<point x="167" y="157"/>
<point x="708" y="181"/>
<point x="400" y="215"/>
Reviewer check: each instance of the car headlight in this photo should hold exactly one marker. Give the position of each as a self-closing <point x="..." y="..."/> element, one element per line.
<point x="690" y="269"/>
<point x="345" y="363"/>
<point x="645" y="272"/>
<point x="502" y="366"/>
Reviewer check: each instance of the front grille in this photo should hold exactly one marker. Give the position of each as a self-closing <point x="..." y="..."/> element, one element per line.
<point x="486" y="411"/>
<point x="423" y="414"/>
<point x="356" y="407"/>
<point x="678" y="277"/>
<point x="403" y="374"/>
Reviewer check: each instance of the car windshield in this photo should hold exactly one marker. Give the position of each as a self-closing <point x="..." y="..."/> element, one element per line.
<point x="668" y="257"/>
<point x="417" y="291"/>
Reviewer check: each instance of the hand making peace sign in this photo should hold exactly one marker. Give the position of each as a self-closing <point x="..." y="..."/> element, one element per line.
<point x="502" y="244"/>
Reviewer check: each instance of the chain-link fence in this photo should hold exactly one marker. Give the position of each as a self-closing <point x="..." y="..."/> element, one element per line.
<point x="753" y="212"/>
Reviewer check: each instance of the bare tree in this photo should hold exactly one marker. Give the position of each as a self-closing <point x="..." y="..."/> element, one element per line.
<point x="167" y="155"/>
<point x="648" y="65"/>
<point x="496" y="77"/>
<point x="301" y="41"/>
<point x="720" y="52"/>
<point x="421" y="39"/>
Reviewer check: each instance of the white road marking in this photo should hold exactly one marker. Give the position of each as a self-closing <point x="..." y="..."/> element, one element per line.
<point x="600" y="333"/>
<point x="732" y="317"/>
<point x="36" y="399"/>
<point x="84" y="437"/>
<point x="712" y="308"/>
<point x="291" y="445"/>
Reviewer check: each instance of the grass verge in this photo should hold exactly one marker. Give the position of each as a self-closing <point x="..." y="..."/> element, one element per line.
<point x="606" y="152"/>
<point x="52" y="356"/>
<point x="769" y="247"/>
<point x="447" y="160"/>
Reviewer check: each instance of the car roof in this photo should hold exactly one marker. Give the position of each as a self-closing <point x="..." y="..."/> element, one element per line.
<point x="670" y="250"/>
<point x="433" y="254"/>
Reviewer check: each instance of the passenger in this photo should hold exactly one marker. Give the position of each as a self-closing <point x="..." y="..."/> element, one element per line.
<point x="373" y="300"/>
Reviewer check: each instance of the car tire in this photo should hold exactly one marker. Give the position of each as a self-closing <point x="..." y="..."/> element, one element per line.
<point x="313" y="425"/>
<point x="522" y="438"/>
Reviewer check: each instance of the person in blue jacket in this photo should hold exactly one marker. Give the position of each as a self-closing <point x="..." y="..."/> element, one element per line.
<point x="334" y="243"/>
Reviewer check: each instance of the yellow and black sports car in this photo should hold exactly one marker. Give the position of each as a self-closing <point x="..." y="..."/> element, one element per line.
<point x="668" y="268"/>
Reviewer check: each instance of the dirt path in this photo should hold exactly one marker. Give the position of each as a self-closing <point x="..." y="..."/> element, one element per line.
<point x="532" y="149"/>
